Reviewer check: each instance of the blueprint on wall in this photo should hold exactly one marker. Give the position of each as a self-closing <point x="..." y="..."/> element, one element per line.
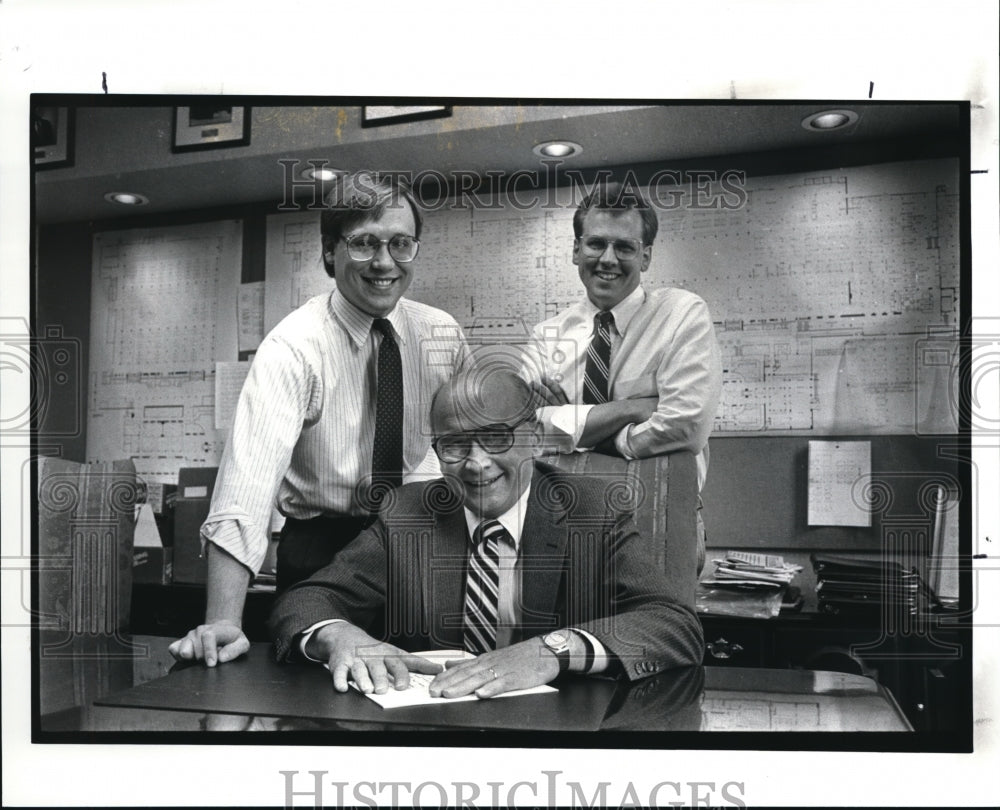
<point x="163" y="310"/>
<point x="834" y="293"/>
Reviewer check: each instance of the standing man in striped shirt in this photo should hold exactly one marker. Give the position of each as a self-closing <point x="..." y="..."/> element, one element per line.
<point x="334" y="412"/>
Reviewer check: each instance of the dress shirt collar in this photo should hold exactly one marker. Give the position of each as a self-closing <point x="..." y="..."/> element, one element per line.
<point x="512" y="520"/>
<point x="359" y="324"/>
<point x="623" y="311"/>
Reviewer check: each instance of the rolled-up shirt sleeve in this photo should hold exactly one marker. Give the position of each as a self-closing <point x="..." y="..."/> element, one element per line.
<point x="563" y="425"/>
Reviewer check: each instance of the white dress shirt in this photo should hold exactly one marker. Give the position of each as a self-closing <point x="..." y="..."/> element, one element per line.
<point x="662" y="344"/>
<point x="305" y="423"/>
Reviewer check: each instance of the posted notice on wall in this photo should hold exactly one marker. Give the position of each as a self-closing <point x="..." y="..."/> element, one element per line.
<point x="838" y="473"/>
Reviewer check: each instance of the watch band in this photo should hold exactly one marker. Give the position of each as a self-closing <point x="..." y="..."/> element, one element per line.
<point x="590" y="654"/>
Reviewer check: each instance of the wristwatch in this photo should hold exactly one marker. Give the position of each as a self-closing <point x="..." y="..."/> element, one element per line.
<point x="558" y="642"/>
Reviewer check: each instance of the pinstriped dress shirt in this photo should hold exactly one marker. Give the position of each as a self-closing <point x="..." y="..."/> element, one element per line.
<point x="662" y="344"/>
<point x="304" y="426"/>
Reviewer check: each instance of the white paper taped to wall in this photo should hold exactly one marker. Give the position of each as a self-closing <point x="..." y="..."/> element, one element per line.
<point x="835" y="468"/>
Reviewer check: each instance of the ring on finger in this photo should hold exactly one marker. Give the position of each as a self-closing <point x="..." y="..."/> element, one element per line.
<point x="493" y="672"/>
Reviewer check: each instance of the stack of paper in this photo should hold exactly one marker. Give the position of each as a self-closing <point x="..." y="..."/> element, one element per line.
<point x="746" y="584"/>
<point x="744" y="569"/>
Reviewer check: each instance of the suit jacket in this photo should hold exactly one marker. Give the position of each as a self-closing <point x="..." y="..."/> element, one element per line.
<point x="583" y="563"/>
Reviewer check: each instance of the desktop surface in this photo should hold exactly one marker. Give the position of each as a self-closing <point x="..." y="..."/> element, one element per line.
<point x="128" y="691"/>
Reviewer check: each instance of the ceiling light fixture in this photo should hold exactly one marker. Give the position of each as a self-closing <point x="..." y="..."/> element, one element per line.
<point x="559" y="149"/>
<point x="126" y="198"/>
<point x="829" y="119"/>
<point x="322" y="174"/>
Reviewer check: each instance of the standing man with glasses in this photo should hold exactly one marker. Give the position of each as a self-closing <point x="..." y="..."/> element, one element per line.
<point x="334" y="412"/>
<point x="534" y="571"/>
<point x="627" y="371"/>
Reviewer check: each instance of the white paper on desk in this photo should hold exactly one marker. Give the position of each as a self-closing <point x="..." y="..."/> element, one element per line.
<point x="836" y="473"/>
<point x="418" y="695"/>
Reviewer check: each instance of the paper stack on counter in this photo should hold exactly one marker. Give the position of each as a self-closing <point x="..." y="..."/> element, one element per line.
<point x="745" y="569"/>
<point x="746" y="584"/>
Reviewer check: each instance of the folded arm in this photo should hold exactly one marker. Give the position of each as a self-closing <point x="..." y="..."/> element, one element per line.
<point x="689" y="385"/>
<point x="577" y="427"/>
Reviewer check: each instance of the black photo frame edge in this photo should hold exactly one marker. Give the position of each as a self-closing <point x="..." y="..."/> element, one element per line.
<point x="68" y="159"/>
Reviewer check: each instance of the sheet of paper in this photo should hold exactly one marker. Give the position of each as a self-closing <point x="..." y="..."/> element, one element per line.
<point x="229" y="378"/>
<point x="838" y="472"/>
<point x="418" y="695"/>
<point x="146" y="535"/>
<point x="251" y="315"/>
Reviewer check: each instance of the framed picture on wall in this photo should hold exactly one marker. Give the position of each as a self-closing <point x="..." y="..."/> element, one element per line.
<point x="211" y="125"/>
<point x="52" y="137"/>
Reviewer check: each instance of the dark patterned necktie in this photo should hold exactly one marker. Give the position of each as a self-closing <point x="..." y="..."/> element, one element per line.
<point x="482" y="587"/>
<point x="595" y="375"/>
<point x="387" y="450"/>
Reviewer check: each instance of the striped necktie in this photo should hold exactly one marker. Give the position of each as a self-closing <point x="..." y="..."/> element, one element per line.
<point x="482" y="586"/>
<point x="387" y="449"/>
<point x="595" y="375"/>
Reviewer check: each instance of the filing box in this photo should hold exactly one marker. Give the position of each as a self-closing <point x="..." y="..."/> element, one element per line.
<point x="194" y="495"/>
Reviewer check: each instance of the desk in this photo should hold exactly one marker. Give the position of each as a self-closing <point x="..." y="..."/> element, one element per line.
<point x="256" y="693"/>
<point x="930" y="675"/>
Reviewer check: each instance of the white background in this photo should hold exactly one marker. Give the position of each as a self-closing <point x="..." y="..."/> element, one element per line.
<point x="580" y="49"/>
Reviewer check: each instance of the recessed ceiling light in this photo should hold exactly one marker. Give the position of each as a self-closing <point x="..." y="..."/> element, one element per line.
<point x="829" y="119"/>
<point x="561" y="149"/>
<point x="322" y="174"/>
<point x="126" y="198"/>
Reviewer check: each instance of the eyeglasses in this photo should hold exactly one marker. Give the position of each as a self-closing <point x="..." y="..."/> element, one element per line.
<point x="363" y="246"/>
<point x="625" y="249"/>
<point x="455" y="447"/>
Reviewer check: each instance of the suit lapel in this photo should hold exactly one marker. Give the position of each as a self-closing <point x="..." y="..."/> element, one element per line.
<point x="445" y="586"/>
<point x="543" y="555"/>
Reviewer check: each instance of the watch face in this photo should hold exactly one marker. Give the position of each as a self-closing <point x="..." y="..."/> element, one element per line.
<point x="555" y="639"/>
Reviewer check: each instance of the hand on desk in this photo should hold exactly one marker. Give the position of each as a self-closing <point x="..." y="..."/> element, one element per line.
<point x="519" y="666"/>
<point x="213" y="643"/>
<point x="351" y="652"/>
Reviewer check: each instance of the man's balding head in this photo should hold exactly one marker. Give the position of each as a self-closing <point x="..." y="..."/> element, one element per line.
<point x="485" y="437"/>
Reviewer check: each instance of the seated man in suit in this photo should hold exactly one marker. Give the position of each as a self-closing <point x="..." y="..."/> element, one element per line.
<point x="532" y="569"/>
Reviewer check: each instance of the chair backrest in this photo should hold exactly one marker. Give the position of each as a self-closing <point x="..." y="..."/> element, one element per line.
<point x="86" y="519"/>
<point x="663" y="491"/>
